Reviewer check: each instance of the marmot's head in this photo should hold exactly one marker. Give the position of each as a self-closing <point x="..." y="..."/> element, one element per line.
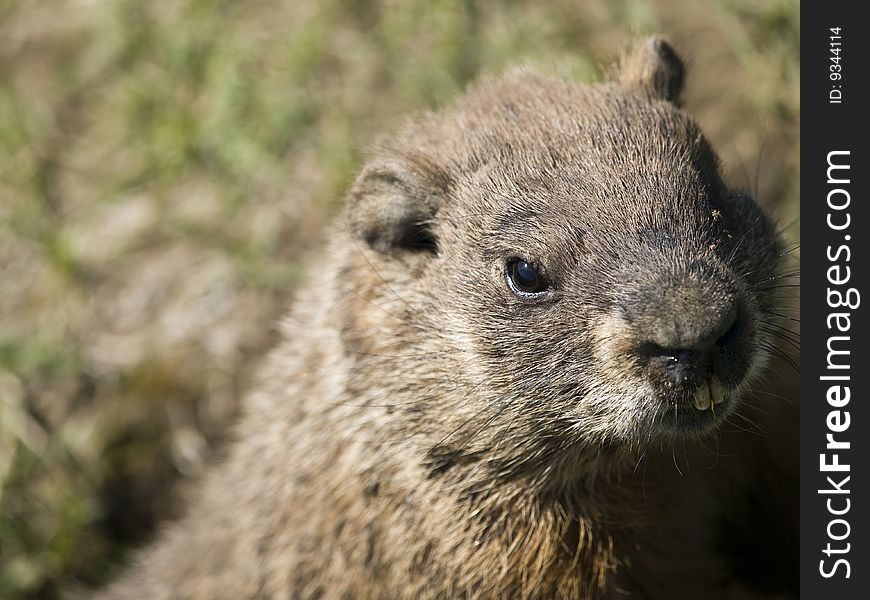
<point x="573" y="266"/>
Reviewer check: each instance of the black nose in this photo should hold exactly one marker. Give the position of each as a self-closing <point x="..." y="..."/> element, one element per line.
<point x="690" y="332"/>
<point x="681" y="364"/>
<point x="697" y="330"/>
<point x="708" y="353"/>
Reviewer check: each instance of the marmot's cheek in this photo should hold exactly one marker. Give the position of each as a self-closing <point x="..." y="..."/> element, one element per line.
<point x="625" y="410"/>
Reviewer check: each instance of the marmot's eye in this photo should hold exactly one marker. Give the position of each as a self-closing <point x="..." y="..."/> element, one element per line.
<point x="524" y="279"/>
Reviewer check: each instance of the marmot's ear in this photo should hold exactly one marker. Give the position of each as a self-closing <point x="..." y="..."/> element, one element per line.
<point x="391" y="206"/>
<point x="653" y="65"/>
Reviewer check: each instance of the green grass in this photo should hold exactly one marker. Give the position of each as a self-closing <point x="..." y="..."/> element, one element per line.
<point x="166" y="166"/>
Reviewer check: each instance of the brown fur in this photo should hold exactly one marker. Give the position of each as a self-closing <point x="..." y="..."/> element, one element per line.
<point x="424" y="433"/>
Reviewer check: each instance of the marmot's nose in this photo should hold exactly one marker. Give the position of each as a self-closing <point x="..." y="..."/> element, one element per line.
<point x="687" y="328"/>
<point x="695" y="330"/>
<point x="697" y="352"/>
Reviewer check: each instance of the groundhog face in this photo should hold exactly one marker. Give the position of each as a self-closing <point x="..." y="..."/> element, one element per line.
<point x="589" y="276"/>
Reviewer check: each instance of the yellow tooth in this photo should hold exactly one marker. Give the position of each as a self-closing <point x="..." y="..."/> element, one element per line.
<point x="701" y="400"/>
<point x="717" y="390"/>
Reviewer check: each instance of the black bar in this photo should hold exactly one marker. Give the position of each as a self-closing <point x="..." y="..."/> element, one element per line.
<point x="834" y="60"/>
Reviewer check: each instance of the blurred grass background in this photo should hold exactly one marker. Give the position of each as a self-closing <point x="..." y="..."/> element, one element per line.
<point x="166" y="166"/>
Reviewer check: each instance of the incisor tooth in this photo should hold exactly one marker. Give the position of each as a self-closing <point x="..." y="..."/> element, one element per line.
<point x="701" y="399"/>
<point x="717" y="390"/>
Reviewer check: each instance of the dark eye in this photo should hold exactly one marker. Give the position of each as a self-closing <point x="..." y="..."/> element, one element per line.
<point x="524" y="278"/>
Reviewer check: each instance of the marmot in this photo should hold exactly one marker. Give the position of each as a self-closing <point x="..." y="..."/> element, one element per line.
<point x="515" y="372"/>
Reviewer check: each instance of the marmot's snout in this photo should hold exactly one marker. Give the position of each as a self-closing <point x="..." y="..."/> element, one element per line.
<point x="691" y="337"/>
